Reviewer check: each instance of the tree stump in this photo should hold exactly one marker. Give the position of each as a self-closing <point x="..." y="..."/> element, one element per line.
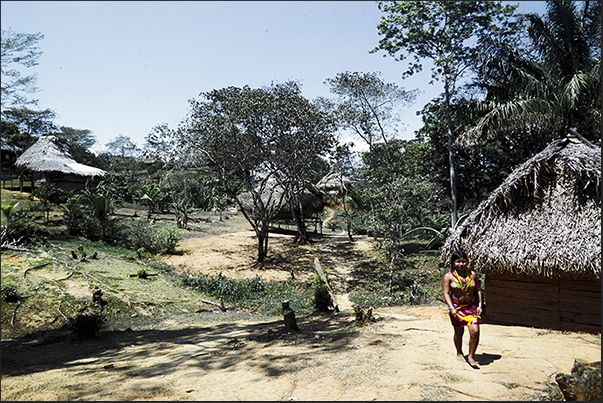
<point x="362" y="318"/>
<point x="584" y="383"/>
<point x="289" y="317"/>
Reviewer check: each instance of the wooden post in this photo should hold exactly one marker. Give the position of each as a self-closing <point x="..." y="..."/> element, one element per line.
<point x="289" y="317"/>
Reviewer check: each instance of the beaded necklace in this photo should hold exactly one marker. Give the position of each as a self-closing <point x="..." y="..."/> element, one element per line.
<point x="463" y="283"/>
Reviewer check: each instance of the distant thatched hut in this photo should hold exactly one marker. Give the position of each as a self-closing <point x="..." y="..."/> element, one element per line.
<point x="537" y="239"/>
<point x="335" y="184"/>
<point x="47" y="160"/>
<point x="273" y="198"/>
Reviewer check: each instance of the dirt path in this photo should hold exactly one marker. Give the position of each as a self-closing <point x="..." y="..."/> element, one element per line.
<point x="407" y="354"/>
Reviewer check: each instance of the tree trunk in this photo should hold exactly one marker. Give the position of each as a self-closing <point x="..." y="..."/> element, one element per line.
<point x="262" y="234"/>
<point x="345" y="210"/>
<point x="391" y="271"/>
<point x="450" y="154"/>
<point x="302" y="237"/>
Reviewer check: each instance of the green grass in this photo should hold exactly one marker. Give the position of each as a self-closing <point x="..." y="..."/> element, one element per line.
<point x="52" y="295"/>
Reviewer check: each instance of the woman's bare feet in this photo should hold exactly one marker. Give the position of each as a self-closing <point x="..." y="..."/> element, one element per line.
<point x="460" y="357"/>
<point x="472" y="362"/>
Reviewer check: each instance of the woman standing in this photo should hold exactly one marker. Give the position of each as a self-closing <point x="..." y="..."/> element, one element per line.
<point x="463" y="296"/>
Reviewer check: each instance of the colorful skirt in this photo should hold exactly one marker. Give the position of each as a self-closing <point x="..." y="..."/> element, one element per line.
<point x="466" y="314"/>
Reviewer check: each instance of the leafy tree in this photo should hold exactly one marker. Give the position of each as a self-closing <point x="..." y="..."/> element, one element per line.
<point x="224" y="130"/>
<point x="10" y="133"/>
<point x="124" y="159"/>
<point x="18" y="49"/>
<point x="257" y="141"/>
<point x="447" y="33"/>
<point x="537" y="93"/>
<point x="31" y="122"/>
<point x="342" y="161"/>
<point x="479" y="170"/>
<point x="78" y="142"/>
<point x="123" y="146"/>
<point x="300" y="133"/>
<point x="366" y="103"/>
<point x="49" y="194"/>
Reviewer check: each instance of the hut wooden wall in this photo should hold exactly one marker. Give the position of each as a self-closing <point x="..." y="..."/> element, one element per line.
<point x="561" y="304"/>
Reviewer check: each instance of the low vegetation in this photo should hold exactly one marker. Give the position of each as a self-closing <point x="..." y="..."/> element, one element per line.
<point x="53" y="280"/>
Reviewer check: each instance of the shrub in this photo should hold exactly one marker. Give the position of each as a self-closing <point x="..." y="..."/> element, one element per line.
<point x="51" y="193"/>
<point x="140" y="235"/>
<point x="16" y="228"/>
<point x="86" y="327"/>
<point x="228" y="290"/>
<point x="10" y="294"/>
<point x="361" y="222"/>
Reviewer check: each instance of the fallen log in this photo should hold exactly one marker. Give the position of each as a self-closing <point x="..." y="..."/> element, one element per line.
<point x="220" y="305"/>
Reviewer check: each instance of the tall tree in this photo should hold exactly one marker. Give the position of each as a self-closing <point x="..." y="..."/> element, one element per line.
<point x="78" y="142"/>
<point x="34" y="123"/>
<point x="537" y="92"/>
<point x="19" y="50"/>
<point x="301" y="134"/>
<point x="258" y="142"/>
<point x="449" y="33"/>
<point x="366" y="104"/>
<point x="224" y="131"/>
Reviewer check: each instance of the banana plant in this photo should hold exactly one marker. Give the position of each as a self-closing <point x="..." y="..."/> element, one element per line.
<point x="13" y="226"/>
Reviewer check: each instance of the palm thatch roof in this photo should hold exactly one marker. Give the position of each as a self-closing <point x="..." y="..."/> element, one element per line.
<point x="543" y="220"/>
<point x="272" y="197"/>
<point x="48" y="155"/>
<point x="334" y="182"/>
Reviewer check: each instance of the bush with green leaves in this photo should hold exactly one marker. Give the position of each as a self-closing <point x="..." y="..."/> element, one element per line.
<point x="227" y="290"/>
<point x="141" y="234"/>
<point x="361" y="222"/>
<point x="10" y="294"/>
<point x="16" y="228"/>
<point x="51" y="193"/>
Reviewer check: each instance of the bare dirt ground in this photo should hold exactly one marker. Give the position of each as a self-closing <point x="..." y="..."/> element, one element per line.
<point x="406" y="354"/>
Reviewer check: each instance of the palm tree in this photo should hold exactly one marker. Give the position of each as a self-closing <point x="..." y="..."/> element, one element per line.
<point x="539" y="93"/>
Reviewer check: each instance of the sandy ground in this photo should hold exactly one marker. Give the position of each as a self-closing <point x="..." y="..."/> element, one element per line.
<point x="406" y="354"/>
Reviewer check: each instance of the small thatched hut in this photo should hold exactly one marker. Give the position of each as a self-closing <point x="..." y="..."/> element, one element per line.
<point x="47" y="160"/>
<point x="335" y="184"/>
<point x="537" y="239"/>
<point x="273" y="198"/>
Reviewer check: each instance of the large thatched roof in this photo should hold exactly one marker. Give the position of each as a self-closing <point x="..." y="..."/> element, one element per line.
<point x="544" y="219"/>
<point x="47" y="155"/>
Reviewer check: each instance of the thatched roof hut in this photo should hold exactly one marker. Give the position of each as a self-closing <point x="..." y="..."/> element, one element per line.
<point x="334" y="183"/>
<point x="540" y="231"/>
<point x="47" y="160"/>
<point x="273" y="198"/>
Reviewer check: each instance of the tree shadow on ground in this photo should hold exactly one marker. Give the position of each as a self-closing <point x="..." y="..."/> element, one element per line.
<point x="207" y="347"/>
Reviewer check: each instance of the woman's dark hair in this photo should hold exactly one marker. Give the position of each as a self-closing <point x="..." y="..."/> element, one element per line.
<point x="455" y="256"/>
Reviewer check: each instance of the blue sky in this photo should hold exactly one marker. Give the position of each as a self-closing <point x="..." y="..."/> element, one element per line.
<point x="123" y="67"/>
